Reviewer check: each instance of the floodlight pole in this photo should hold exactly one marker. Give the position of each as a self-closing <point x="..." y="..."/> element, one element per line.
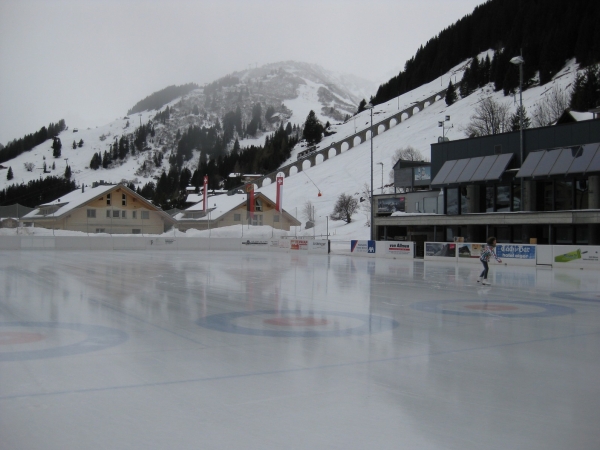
<point x="381" y="164"/>
<point x="519" y="61"/>
<point x="370" y="106"/>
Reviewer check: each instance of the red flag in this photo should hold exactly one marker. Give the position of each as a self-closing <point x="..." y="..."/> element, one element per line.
<point x="279" y="204"/>
<point x="250" y="199"/>
<point x="205" y="193"/>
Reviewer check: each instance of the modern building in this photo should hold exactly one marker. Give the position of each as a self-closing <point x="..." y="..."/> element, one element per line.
<point x="113" y="209"/>
<point x="479" y="188"/>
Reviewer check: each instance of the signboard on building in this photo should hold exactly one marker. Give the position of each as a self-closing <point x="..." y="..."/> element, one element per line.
<point x="422" y="175"/>
<point x="390" y="205"/>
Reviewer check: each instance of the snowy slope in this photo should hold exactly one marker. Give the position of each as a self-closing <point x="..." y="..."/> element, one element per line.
<point x="346" y="173"/>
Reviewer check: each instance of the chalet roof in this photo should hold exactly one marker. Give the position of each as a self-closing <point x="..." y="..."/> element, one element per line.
<point x="78" y="198"/>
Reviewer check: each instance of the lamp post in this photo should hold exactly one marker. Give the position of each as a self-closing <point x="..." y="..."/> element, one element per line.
<point x="519" y="61"/>
<point x="370" y="106"/>
<point x="381" y="164"/>
<point x="442" y="124"/>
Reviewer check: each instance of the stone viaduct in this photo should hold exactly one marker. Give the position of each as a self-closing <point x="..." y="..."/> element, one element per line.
<point x="347" y="143"/>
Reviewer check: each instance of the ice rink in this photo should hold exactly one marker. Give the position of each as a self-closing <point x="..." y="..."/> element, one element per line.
<point x="241" y="350"/>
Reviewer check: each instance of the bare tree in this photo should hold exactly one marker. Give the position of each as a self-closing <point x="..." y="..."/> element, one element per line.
<point x="345" y="206"/>
<point x="408" y="153"/>
<point x="490" y="117"/>
<point x="308" y="211"/>
<point x="548" y="110"/>
<point x="29" y="166"/>
<point x="365" y="202"/>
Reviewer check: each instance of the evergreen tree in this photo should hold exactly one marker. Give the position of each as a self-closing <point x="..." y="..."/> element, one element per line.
<point x="68" y="172"/>
<point x="586" y="91"/>
<point x="313" y="130"/>
<point x="450" y="94"/>
<point x="74" y="145"/>
<point x="515" y="120"/>
<point x="56" y="146"/>
<point x="288" y="128"/>
<point x="80" y="144"/>
<point x="53" y="165"/>
<point x="9" y="175"/>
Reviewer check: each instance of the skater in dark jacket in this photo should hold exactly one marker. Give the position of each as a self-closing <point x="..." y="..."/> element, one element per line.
<point x="486" y="254"/>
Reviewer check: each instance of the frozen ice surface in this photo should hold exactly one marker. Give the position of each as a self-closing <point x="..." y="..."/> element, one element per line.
<point x="227" y="350"/>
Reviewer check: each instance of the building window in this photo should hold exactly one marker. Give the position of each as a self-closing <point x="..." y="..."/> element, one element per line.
<point x="99" y="230"/>
<point x="124" y="214"/>
<point x="548" y="191"/>
<point x="258" y="205"/>
<point x="503" y="198"/>
<point x="581" y="234"/>
<point x="489" y="199"/>
<point x="564" y="235"/>
<point x="123" y="200"/>
<point x="581" y="194"/>
<point x="134" y="214"/>
<point x="563" y="195"/>
<point x="91" y="213"/>
<point x="464" y="201"/>
<point x="116" y="213"/>
<point x="237" y="217"/>
<point x="258" y="220"/>
<point x="452" y="201"/>
<point x="108" y="213"/>
<point x="107" y="199"/>
<point x="145" y="214"/>
<point x="136" y="231"/>
<point x="516" y="197"/>
<point x="276" y="218"/>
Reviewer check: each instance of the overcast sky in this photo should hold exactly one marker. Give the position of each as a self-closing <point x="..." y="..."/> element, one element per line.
<point x="89" y="61"/>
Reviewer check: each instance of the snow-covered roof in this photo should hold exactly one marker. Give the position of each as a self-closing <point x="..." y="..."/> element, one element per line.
<point x="193" y="198"/>
<point x="77" y="198"/>
<point x="217" y="205"/>
<point x="71" y="201"/>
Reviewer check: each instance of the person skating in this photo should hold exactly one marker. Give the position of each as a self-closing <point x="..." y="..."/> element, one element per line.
<point x="486" y="254"/>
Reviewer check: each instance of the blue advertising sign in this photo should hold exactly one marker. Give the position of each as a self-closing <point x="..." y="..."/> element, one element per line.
<point x="515" y="251"/>
<point x="362" y="246"/>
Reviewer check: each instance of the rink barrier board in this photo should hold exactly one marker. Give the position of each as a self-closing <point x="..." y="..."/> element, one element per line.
<point x="559" y="256"/>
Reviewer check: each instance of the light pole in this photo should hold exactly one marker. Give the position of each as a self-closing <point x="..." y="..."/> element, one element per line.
<point x="442" y="124"/>
<point x="370" y="106"/>
<point x="519" y="61"/>
<point x="381" y="164"/>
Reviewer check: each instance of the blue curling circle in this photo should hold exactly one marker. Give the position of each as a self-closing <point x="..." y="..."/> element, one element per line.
<point x="371" y="324"/>
<point x="436" y="306"/>
<point x="98" y="338"/>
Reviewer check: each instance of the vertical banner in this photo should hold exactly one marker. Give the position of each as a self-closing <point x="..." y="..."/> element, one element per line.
<point x="205" y="194"/>
<point x="279" y="204"/>
<point x="250" y="200"/>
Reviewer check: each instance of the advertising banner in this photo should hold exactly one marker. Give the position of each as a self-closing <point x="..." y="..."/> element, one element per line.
<point x="516" y="251"/>
<point x="469" y="250"/>
<point x="255" y="243"/>
<point x="398" y="249"/>
<point x="440" y="249"/>
<point x="320" y="247"/>
<point x="576" y="256"/>
<point x="299" y="244"/>
<point x="362" y="247"/>
<point x="390" y="205"/>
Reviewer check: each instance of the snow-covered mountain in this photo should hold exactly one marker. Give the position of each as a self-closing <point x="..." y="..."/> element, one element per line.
<point x="293" y="89"/>
<point x="313" y="87"/>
